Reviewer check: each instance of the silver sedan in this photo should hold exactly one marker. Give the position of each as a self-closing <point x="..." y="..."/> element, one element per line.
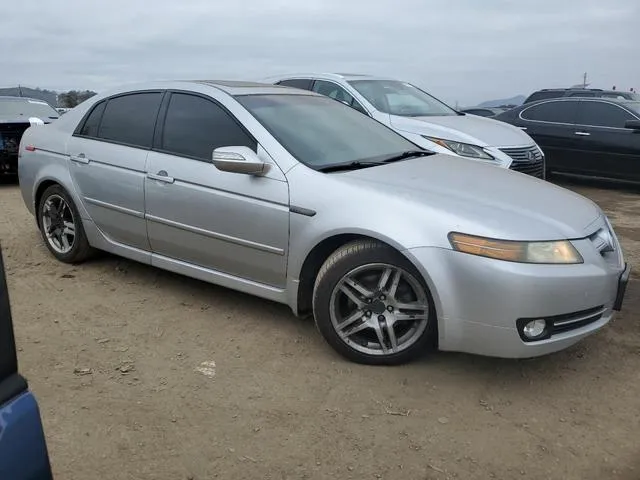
<point x="296" y="198"/>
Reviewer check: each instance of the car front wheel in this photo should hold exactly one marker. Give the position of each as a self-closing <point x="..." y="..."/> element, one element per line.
<point x="372" y="305"/>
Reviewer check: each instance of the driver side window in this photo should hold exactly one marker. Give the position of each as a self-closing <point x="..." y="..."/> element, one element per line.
<point x="331" y="90"/>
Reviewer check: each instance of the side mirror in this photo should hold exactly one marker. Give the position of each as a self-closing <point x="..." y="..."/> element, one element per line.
<point x="239" y="160"/>
<point x="632" y="125"/>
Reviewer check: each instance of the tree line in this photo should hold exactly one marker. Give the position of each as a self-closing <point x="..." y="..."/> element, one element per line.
<point x="73" y="97"/>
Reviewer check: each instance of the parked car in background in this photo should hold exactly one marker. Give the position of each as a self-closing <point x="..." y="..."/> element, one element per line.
<point x="548" y="93"/>
<point x="425" y="120"/>
<point x="483" y="111"/>
<point x="16" y="115"/>
<point x="297" y="198"/>
<point x="23" y="448"/>
<point x="596" y="137"/>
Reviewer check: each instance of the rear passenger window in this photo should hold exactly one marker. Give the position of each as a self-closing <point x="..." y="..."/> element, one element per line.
<point x="131" y="119"/>
<point x="302" y="83"/>
<point x="195" y="126"/>
<point x="90" y="127"/>
<point x="555" y="112"/>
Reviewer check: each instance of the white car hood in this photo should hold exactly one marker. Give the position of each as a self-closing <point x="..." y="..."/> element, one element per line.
<point x="481" y="131"/>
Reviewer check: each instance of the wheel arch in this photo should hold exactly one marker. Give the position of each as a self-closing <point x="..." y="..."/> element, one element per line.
<point x="319" y="253"/>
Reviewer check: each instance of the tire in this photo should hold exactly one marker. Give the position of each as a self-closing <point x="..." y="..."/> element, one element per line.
<point x="78" y="249"/>
<point x="355" y="290"/>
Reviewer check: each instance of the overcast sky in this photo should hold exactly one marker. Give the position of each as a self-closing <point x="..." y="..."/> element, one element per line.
<point x="460" y="50"/>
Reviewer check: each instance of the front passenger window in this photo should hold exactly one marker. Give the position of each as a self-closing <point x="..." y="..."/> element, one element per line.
<point x="195" y="126"/>
<point x="602" y="114"/>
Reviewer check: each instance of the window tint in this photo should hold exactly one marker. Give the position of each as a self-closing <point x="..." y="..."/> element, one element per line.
<point x="195" y="126"/>
<point x="90" y="127"/>
<point x="534" y="97"/>
<point x="304" y="84"/>
<point x="558" y="112"/>
<point x="602" y="114"/>
<point x="336" y="92"/>
<point x="131" y="119"/>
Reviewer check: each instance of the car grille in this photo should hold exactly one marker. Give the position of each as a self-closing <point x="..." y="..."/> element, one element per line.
<point x="571" y="321"/>
<point x="527" y="160"/>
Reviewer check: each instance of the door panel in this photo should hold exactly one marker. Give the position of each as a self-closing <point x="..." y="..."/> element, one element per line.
<point x="237" y="224"/>
<point x="234" y="223"/>
<point x="607" y="149"/>
<point x="551" y="125"/>
<point x="108" y="158"/>
<point x="110" y="181"/>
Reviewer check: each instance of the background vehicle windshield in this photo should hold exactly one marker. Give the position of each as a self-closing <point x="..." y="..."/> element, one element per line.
<point x="17" y="107"/>
<point x="401" y="98"/>
<point x="633" y="106"/>
<point x="319" y="131"/>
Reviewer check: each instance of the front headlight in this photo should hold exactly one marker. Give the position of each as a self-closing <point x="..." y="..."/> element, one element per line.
<point x="462" y="149"/>
<point x="554" y="252"/>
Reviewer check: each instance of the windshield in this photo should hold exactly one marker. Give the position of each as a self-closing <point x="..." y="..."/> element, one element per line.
<point x="401" y="98"/>
<point x="321" y="132"/>
<point x="26" y="107"/>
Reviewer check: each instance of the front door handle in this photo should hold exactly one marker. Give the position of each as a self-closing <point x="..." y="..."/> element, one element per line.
<point x="79" y="158"/>
<point x="161" y="176"/>
<point x="583" y="134"/>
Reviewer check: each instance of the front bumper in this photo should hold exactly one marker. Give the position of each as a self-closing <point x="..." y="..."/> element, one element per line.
<point x="479" y="300"/>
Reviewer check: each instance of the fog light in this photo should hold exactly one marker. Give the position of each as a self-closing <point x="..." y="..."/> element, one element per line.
<point x="534" y="329"/>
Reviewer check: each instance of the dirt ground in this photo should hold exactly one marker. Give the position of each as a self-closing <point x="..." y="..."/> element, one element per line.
<point x="142" y="374"/>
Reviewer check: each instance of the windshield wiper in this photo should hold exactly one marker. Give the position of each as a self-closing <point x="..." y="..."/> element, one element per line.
<point x="405" y="155"/>
<point x="347" y="166"/>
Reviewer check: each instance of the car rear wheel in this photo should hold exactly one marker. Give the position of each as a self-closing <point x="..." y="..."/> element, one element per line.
<point x="372" y="306"/>
<point x="61" y="226"/>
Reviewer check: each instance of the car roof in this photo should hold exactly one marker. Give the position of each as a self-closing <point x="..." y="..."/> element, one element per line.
<point x="619" y="101"/>
<point x="329" y="76"/>
<point x="231" y="87"/>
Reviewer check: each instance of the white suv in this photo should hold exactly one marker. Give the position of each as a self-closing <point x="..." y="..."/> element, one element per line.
<point x="427" y="121"/>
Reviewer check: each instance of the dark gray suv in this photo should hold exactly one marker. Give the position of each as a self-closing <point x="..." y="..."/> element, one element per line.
<point x="548" y="93"/>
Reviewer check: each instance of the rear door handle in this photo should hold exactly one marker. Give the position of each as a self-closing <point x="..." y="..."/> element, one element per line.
<point x="79" y="158"/>
<point x="161" y="176"/>
<point x="583" y="134"/>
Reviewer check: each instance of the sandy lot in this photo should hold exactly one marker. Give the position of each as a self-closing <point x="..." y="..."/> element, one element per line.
<point x="143" y="374"/>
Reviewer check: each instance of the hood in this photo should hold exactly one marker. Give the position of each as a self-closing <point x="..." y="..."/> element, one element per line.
<point x="481" y="131"/>
<point x="475" y="198"/>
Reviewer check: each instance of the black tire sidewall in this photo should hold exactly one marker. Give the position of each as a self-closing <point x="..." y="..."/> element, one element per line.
<point x="80" y="247"/>
<point x="375" y="253"/>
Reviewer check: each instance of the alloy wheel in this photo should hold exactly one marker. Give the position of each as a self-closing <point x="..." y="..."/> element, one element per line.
<point x="58" y="224"/>
<point x="379" y="309"/>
